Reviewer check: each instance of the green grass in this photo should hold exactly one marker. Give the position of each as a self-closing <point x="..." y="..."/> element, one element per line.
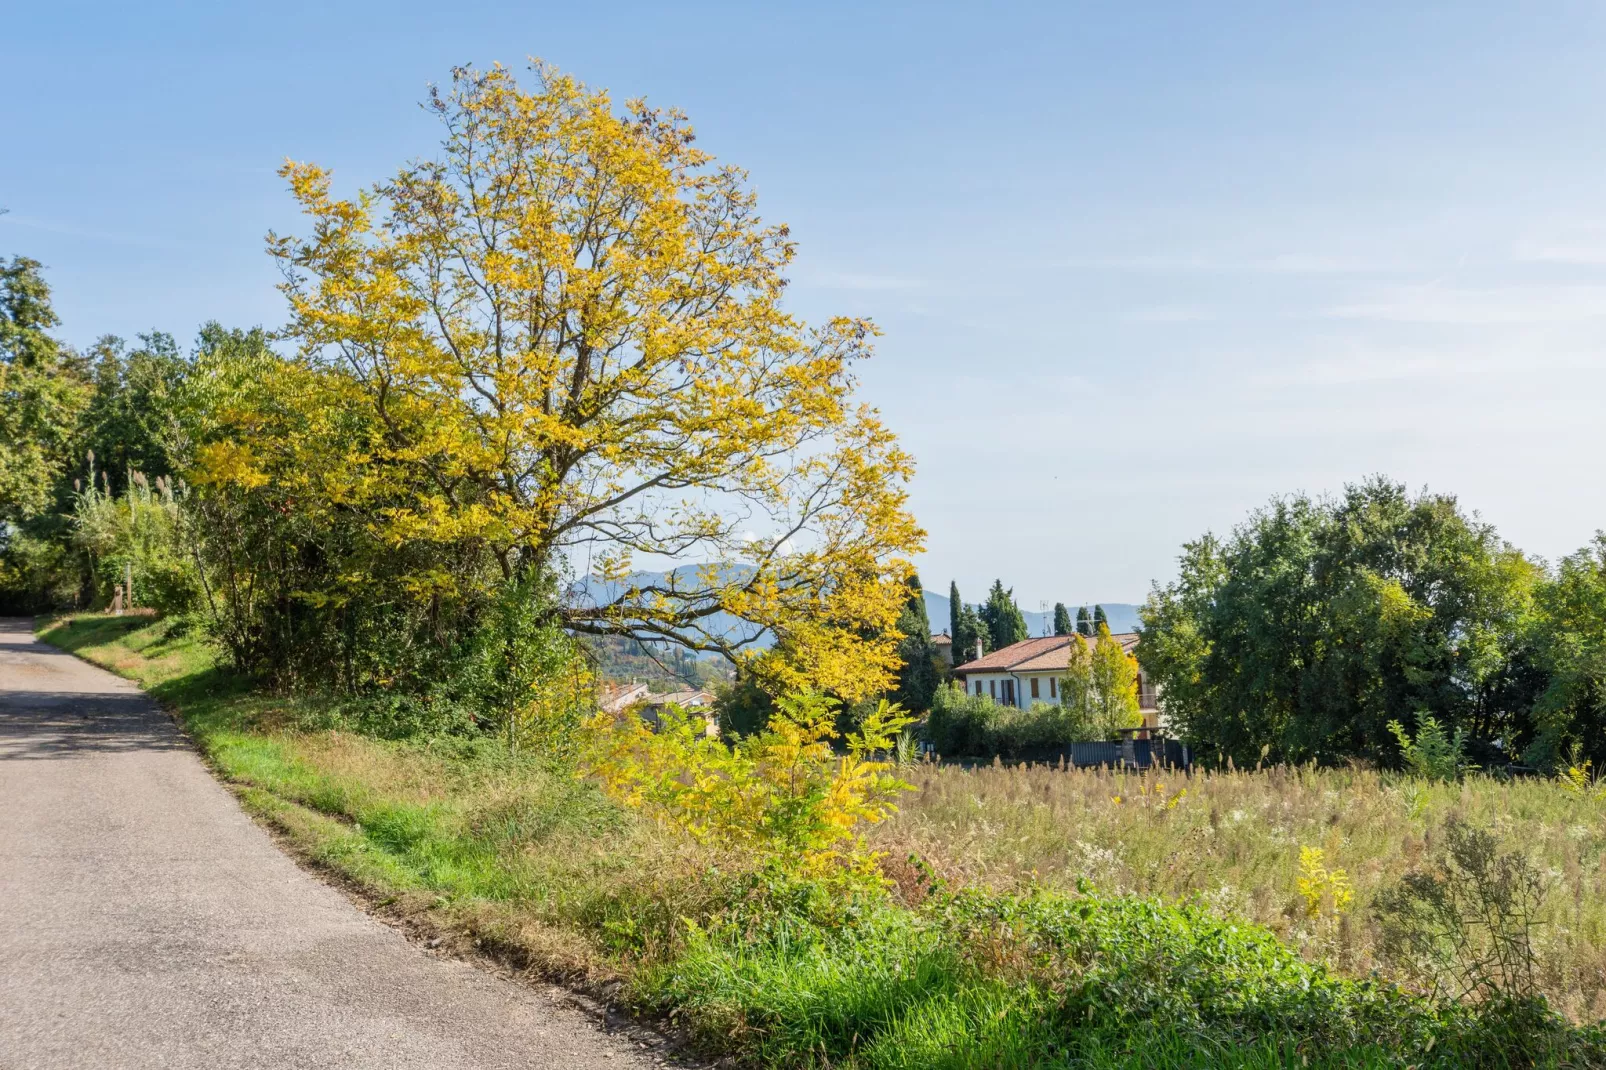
<point x="503" y="852"/>
<point x="1234" y="840"/>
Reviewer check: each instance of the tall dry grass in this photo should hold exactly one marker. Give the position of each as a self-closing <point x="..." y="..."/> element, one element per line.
<point x="1233" y="839"/>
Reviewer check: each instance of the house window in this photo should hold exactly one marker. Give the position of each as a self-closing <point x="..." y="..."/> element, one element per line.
<point x="1009" y="692"/>
<point x="1034" y="687"/>
<point x="1053" y="687"/>
<point x="978" y="687"/>
<point x="992" y="688"/>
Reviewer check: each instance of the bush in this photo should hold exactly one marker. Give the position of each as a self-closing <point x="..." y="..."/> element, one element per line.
<point x="1464" y="927"/>
<point x="36" y="573"/>
<point x="1432" y="755"/>
<point x="974" y="726"/>
<point x="971" y="978"/>
<point x="144" y="534"/>
<point x="784" y="795"/>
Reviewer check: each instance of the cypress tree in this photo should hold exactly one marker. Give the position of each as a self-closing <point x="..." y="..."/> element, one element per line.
<point x="1002" y="618"/>
<point x="919" y="676"/>
<point x="963" y="627"/>
<point x="1062" y="619"/>
<point x="1099" y="618"/>
<point x="1084" y="623"/>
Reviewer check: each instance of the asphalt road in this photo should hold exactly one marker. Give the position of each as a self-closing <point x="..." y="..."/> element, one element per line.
<point x="145" y="921"/>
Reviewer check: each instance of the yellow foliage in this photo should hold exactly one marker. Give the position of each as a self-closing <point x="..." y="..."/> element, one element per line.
<point x="1322" y="887"/>
<point x="563" y="341"/>
<point x="1579" y="778"/>
<point x="784" y="793"/>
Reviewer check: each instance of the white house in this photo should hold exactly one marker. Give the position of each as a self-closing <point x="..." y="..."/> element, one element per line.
<point x="1029" y="671"/>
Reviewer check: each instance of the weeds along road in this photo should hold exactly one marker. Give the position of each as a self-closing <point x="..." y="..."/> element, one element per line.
<point x="145" y="921"/>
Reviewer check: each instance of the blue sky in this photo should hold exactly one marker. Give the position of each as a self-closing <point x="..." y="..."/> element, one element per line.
<point x="1140" y="267"/>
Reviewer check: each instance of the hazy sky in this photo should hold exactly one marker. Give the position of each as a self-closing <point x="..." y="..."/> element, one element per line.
<point x="1140" y="267"/>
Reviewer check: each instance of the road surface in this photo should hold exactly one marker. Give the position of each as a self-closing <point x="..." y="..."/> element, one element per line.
<point x="145" y="921"/>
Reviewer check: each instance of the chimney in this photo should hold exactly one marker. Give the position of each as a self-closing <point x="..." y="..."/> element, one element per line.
<point x="978" y="649"/>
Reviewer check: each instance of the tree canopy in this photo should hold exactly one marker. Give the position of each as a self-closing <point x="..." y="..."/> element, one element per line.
<point x="1062" y="619"/>
<point x="1320" y="621"/>
<point x="560" y="346"/>
<point x="44" y="389"/>
<point x="1572" y="650"/>
<point x="1100" y="687"/>
<point x="965" y="627"/>
<point x="919" y="670"/>
<point x="1001" y="617"/>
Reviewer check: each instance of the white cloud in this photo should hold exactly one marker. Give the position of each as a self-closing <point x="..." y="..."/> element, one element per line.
<point x="1288" y="263"/>
<point x="1480" y="306"/>
<point x="860" y="281"/>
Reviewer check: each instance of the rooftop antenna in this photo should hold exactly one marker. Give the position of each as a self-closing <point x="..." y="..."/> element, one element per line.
<point x="1042" y="607"/>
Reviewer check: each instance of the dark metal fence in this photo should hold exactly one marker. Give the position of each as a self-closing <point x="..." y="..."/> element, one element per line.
<point x="1117" y="754"/>
<point x="1137" y="753"/>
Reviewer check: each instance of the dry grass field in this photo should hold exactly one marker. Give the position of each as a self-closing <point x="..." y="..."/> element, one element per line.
<point x="1233" y="839"/>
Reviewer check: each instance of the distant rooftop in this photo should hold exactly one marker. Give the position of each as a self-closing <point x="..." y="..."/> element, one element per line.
<point x="1049" y="653"/>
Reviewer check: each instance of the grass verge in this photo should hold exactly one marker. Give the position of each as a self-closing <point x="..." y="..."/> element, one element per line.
<point x="515" y="857"/>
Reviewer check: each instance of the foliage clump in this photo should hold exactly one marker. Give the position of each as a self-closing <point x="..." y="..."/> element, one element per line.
<point x="1100" y="687"/>
<point x="1465" y="925"/>
<point x="1434" y="754"/>
<point x="1318" y="622"/>
<point x="962" y="725"/>
<point x="783" y="793"/>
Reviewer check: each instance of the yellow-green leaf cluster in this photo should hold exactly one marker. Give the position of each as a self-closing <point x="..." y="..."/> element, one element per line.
<point x="565" y="335"/>
<point x="785" y="794"/>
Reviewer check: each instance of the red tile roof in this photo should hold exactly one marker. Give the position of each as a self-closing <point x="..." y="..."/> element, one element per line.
<point x="1047" y="654"/>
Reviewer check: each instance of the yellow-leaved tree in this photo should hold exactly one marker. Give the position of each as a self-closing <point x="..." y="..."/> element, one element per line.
<point x="1100" y="686"/>
<point x="567" y="339"/>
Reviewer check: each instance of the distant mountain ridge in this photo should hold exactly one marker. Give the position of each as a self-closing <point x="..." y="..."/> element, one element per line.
<point x="1123" y="616"/>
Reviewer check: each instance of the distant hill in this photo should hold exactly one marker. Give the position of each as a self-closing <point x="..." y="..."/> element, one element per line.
<point x="1123" y="615"/>
<point x="602" y="592"/>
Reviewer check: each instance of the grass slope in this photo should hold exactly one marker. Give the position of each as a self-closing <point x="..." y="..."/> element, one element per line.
<point x="510" y="855"/>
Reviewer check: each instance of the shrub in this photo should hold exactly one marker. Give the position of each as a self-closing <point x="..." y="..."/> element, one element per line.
<point x="783" y="794"/>
<point x="1432" y="755"/>
<point x="524" y="673"/>
<point x="144" y="534"/>
<point x="1464" y="927"/>
<point x="974" y="726"/>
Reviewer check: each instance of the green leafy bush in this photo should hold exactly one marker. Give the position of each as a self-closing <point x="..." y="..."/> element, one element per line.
<point x="974" y="726"/>
<point x="143" y="535"/>
<point x="1433" y="754"/>
<point x="788" y="977"/>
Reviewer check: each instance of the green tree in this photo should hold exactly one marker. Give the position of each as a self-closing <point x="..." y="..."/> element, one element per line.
<point x="1001" y="617"/>
<point x="1062" y="619"/>
<point x="964" y="627"/>
<point x="44" y="389"/>
<point x="919" y="672"/>
<point x="1100" y="688"/>
<point x="1076" y="690"/>
<point x="1099" y="619"/>
<point x="743" y="706"/>
<point x="1114" y="688"/>
<point x="1571" y="641"/>
<point x="131" y="422"/>
<point x="1084" y="623"/>
<point x="1319" y="622"/>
